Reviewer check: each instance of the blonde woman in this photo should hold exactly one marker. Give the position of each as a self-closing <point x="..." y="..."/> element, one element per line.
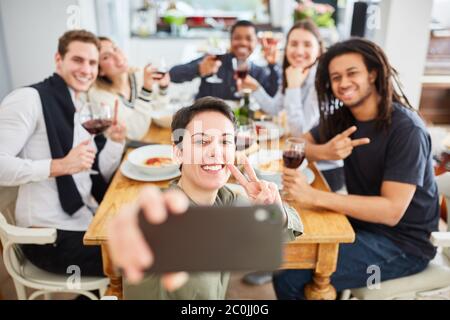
<point x="138" y="92"/>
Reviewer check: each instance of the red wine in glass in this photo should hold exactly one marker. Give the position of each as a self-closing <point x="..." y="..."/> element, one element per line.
<point x="241" y="74"/>
<point x="272" y="41"/>
<point x="294" y="152"/>
<point x="96" y="118"/>
<point x="293" y="159"/>
<point x="96" y="126"/>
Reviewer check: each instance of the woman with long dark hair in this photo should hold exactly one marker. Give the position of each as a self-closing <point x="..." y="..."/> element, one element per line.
<point x="297" y="94"/>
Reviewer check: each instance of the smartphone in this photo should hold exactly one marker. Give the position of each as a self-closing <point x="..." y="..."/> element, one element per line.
<point x="217" y="239"/>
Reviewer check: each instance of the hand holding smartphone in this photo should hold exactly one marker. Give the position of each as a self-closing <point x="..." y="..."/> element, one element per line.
<point x="216" y="239"/>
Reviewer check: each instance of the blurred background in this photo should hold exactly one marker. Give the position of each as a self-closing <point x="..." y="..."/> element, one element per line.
<point x="414" y="34"/>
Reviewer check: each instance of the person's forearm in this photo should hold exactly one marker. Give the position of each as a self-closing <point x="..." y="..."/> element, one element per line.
<point x="316" y="152"/>
<point x="375" y="209"/>
<point x="15" y="171"/>
<point x="58" y="168"/>
<point x="185" y="72"/>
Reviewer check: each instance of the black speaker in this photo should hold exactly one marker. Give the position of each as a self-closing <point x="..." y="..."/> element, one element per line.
<point x="359" y="19"/>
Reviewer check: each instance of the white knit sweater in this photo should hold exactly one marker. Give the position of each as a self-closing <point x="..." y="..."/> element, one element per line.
<point x="137" y="113"/>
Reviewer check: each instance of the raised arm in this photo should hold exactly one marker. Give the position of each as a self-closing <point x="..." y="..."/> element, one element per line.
<point x="200" y="67"/>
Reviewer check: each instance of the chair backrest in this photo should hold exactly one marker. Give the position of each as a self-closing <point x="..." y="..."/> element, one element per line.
<point x="13" y="257"/>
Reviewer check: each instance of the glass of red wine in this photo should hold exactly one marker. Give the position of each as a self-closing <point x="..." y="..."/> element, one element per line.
<point x="241" y="69"/>
<point x="96" y="119"/>
<point x="218" y="54"/>
<point x="294" y="152"/>
<point x="293" y="156"/>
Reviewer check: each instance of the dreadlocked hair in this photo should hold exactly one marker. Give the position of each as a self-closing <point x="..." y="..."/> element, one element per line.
<point x="334" y="118"/>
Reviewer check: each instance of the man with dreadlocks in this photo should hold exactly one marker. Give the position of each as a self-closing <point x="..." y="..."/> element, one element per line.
<point x="393" y="199"/>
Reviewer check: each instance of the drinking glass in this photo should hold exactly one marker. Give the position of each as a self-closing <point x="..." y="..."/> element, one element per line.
<point x="96" y="119"/>
<point x="241" y="69"/>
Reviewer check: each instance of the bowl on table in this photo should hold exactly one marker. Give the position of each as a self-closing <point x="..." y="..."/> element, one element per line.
<point x="268" y="165"/>
<point x="153" y="159"/>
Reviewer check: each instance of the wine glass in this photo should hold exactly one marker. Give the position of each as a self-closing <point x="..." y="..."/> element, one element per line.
<point x="294" y="152"/>
<point x="245" y="134"/>
<point x="218" y="51"/>
<point x="160" y="69"/>
<point x="293" y="156"/>
<point x="268" y="38"/>
<point x="241" y="69"/>
<point x="96" y="119"/>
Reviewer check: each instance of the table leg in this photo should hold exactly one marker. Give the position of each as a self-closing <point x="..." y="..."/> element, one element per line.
<point x="320" y="288"/>
<point x="115" y="279"/>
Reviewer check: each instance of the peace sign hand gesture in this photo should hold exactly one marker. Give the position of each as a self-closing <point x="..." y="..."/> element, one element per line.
<point x="259" y="191"/>
<point x="341" y="146"/>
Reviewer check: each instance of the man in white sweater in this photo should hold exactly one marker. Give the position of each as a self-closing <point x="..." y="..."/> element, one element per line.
<point x="47" y="153"/>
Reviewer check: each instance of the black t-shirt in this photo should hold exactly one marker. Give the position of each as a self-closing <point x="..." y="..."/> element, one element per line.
<point x="401" y="154"/>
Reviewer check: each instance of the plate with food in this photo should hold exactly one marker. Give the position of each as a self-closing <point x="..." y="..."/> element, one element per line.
<point x="153" y="160"/>
<point x="268" y="165"/>
<point x="267" y="131"/>
<point x="129" y="171"/>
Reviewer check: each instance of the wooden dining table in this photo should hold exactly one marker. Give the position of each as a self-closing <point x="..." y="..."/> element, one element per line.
<point x="316" y="249"/>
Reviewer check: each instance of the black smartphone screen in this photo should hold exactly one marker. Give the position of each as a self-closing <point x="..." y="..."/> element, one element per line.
<point x="217" y="239"/>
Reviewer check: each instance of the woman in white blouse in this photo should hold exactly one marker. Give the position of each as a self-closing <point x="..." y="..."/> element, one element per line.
<point x="297" y="94"/>
<point x="134" y="89"/>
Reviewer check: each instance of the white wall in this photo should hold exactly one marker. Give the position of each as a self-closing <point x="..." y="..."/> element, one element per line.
<point x="404" y="35"/>
<point x="441" y="12"/>
<point x="5" y="77"/>
<point x="31" y="30"/>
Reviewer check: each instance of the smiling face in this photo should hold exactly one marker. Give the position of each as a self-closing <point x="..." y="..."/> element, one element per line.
<point x="112" y="60"/>
<point x="243" y="42"/>
<point x="302" y="48"/>
<point x="79" y="66"/>
<point x="208" y="144"/>
<point x="350" y="80"/>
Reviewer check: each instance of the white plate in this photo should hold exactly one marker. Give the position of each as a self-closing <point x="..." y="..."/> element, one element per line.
<point x="266" y="155"/>
<point x="139" y="156"/>
<point x="273" y="132"/>
<point x="129" y="171"/>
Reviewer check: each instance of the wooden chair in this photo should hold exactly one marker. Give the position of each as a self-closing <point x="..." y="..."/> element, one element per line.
<point x="25" y="274"/>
